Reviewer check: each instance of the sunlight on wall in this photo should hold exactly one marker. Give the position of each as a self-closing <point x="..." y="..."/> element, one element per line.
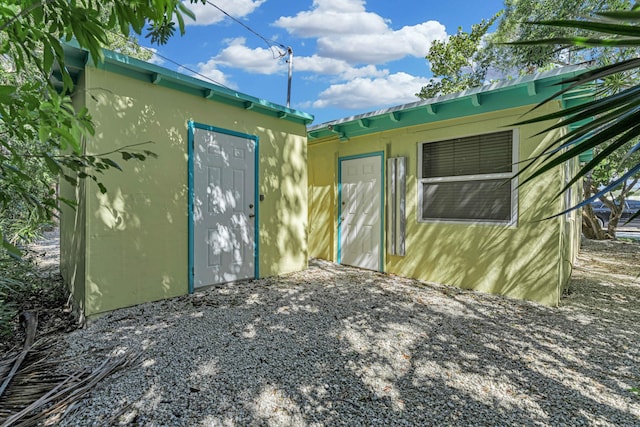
<point x="136" y="246"/>
<point x="520" y="261"/>
<point x="111" y="211"/>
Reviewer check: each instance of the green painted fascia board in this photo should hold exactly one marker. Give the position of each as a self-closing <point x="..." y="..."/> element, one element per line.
<point x="522" y="92"/>
<point x="140" y="70"/>
<point x="586" y="156"/>
<point x="574" y="98"/>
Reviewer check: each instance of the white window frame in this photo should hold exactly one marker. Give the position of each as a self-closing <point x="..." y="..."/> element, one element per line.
<point x="513" y="221"/>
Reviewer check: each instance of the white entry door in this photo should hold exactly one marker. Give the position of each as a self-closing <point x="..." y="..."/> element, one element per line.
<point x="361" y="212"/>
<point x="223" y="207"/>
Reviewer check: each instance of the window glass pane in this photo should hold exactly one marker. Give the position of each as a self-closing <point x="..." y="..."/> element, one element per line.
<point x="474" y="155"/>
<point x="467" y="200"/>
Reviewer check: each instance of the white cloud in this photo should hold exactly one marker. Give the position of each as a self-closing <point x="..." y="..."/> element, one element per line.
<point x="210" y="70"/>
<point x="155" y="59"/>
<point x="346" y="31"/>
<point x="336" y="16"/>
<point x="258" y="60"/>
<point x="264" y="61"/>
<point x="206" y="14"/>
<point x="383" y="47"/>
<point x="398" y="88"/>
<point x="330" y="66"/>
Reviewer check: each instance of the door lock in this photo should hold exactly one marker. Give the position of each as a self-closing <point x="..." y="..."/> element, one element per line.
<point x="251" y="216"/>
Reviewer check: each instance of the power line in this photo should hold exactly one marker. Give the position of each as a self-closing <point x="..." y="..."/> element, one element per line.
<point x="270" y="43"/>
<point x="187" y="68"/>
<point x="154" y="52"/>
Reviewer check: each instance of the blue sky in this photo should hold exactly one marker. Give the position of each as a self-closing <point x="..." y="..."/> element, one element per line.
<point x="350" y="56"/>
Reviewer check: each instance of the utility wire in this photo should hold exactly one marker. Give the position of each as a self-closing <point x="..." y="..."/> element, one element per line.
<point x="270" y="43"/>
<point x="154" y="52"/>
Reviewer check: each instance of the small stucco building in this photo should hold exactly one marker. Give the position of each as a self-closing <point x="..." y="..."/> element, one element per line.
<point x="433" y="190"/>
<point x="225" y="199"/>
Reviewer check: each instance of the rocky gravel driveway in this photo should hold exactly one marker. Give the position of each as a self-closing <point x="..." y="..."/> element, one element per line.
<point x="338" y="346"/>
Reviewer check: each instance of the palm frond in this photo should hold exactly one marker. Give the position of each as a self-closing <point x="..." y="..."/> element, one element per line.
<point x="33" y="389"/>
<point x="622" y="15"/>
<point x="610" y="120"/>
<point x="582" y="42"/>
<point x="605" y="27"/>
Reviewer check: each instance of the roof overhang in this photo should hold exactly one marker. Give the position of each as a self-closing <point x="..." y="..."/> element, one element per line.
<point x="526" y="90"/>
<point x="76" y="60"/>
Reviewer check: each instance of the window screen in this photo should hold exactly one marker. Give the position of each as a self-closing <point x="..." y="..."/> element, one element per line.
<point x="468" y="179"/>
<point x="474" y="155"/>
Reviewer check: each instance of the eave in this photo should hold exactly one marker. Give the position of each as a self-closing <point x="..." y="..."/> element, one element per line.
<point x="76" y="60"/>
<point x="526" y="90"/>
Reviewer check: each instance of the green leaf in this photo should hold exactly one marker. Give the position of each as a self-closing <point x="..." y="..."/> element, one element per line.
<point x="71" y="203"/>
<point x="186" y="11"/>
<point x="601" y="27"/>
<point x="71" y="180"/>
<point x="48" y="58"/>
<point x="590" y="76"/>
<point x="111" y="163"/>
<point x="622" y="15"/>
<point x="6" y="93"/>
<point x="581" y="42"/>
<point x="10" y="248"/>
<point x="23" y="176"/>
<point x="53" y="166"/>
<point x="103" y="189"/>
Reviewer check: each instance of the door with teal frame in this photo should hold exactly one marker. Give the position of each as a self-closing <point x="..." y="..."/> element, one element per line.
<point x="360" y="210"/>
<point x="223" y="208"/>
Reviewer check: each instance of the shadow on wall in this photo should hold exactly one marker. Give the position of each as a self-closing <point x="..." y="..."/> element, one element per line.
<point x="322" y="202"/>
<point x="223" y="179"/>
<point x="72" y="242"/>
<point x="136" y="232"/>
<point x="520" y="261"/>
<point x="283" y="213"/>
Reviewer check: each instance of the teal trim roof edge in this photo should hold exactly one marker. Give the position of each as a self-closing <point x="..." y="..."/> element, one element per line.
<point x="512" y="93"/>
<point x="76" y="60"/>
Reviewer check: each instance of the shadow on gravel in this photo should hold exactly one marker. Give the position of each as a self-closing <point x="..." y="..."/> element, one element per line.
<point x="340" y="346"/>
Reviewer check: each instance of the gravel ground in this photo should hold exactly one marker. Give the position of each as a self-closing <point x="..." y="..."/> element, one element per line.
<point x="339" y="346"/>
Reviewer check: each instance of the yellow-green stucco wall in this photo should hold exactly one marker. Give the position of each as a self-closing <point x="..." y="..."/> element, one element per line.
<point x="136" y="235"/>
<point x="72" y="227"/>
<point x="530" y="260"/>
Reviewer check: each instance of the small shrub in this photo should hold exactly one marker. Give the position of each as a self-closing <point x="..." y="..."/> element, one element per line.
<point x="19" y="281"/>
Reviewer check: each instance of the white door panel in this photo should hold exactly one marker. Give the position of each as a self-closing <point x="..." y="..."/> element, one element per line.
<point x="361" y="212"/>
<point x="224" y="211"/>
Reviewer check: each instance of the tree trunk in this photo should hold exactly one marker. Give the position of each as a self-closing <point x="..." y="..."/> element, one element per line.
<point x="591" y="226"/>
<point x="614" y="219"/>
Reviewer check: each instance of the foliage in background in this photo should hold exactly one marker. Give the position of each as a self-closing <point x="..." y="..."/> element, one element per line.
<point x="493" y="59"/>
<point x="468" y="60"/>
<point x="458" y="63"/>
<point x="615" y="129"/>
<point x="24" y="287"/>
<point x="516" y="25"/>
<point x="38" y="123"/>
